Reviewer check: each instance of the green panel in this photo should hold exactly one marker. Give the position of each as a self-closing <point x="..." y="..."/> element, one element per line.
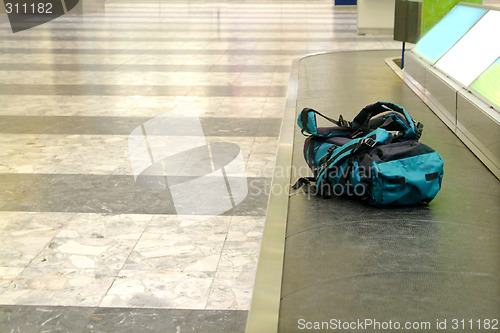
<point x="434" y="10"/>
<point x="488" y="83"/>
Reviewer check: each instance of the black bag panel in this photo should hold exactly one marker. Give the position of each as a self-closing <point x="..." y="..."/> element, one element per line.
<point x="400" y="150"/>
<point x="392" y="151"/>
<point x="338" y="140"/>
<point x="335" y="131"/>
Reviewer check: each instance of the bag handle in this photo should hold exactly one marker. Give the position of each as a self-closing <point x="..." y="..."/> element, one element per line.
<point x="408" y="128"/>
<point x="307" y="121"/>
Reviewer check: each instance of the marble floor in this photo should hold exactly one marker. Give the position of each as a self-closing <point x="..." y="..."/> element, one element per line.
<point x="86" y="247"/>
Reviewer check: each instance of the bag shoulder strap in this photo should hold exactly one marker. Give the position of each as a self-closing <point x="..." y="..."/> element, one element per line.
<point x="310" y="182"/>
<point x="318" y="185"/>
<point x="378" y="136"/>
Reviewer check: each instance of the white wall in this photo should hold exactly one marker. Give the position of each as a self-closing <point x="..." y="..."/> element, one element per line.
<point x="375" y="16"/>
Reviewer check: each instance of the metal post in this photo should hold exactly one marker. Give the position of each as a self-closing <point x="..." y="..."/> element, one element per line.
<point x="403" y="56"/>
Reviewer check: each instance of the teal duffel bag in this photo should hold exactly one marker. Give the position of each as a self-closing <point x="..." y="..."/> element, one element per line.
<point x="376" y="157"/>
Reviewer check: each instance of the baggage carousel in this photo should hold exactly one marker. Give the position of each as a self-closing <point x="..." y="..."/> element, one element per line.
<point x="351" y="267"/>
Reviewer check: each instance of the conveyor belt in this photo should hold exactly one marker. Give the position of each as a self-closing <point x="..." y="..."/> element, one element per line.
<point x="346" y="261"/>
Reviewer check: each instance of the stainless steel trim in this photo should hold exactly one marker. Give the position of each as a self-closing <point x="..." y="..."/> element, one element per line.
<point x="264" y="309"/>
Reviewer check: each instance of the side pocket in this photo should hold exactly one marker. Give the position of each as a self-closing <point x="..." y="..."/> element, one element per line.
<point x="387" y="188"/>
<point x="407" y="181"/>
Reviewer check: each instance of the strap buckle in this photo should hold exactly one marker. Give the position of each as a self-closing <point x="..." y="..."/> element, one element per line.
<point x="419" y="127"/>
<point x="369" y="142"/>
<point x="343" y="123"/>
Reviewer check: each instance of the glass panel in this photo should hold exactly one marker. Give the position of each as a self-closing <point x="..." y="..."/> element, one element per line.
<point x="447" y="32"/>
<point x="488" y="83"/>
<point x="475" y="52"/>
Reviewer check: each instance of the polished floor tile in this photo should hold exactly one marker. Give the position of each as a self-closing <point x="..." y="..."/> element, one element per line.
<point x="103" y="320"/>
